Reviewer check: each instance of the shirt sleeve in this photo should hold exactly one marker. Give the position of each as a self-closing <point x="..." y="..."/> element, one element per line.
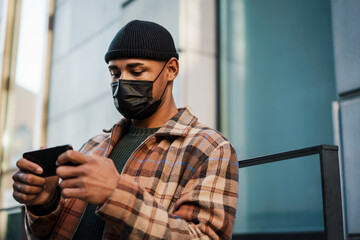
<point x="40" y="227"/>
<point x="205" y="209"/>
<point x="43" y="210"/>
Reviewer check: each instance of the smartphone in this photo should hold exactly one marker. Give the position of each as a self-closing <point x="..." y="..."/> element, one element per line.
<point x="47" y="157"/>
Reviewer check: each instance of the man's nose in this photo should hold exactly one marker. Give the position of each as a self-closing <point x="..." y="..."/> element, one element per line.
<point x="125" y="75"/>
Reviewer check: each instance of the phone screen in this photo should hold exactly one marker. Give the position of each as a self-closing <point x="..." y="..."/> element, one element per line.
<point x="47" y="157"/>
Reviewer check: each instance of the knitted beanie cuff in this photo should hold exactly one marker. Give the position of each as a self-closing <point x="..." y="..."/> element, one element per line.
<point x="139" y="53"/>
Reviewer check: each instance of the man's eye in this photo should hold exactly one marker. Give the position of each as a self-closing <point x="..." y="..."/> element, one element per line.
<point x="115" y="74"/>
<point x="136" y="73"/>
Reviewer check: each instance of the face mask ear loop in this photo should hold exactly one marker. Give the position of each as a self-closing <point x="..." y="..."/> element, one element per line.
<point x="164" y="91"/>
<point x="166" y="83"/>
<point x="160" y="72"/>
<point x="117" y="87"/>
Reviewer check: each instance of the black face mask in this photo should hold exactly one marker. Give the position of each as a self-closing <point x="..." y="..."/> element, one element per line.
<point x="133" y="98"/>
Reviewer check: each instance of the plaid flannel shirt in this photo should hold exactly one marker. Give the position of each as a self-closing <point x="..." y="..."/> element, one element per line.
<point x="180" y="183"/>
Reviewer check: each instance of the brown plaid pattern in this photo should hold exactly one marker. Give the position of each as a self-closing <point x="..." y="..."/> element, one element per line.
<point x="181" y="183"/>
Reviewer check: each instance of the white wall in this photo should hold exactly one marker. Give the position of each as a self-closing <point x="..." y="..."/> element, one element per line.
<point x="197" y="84"/>
<point x="80" y="103"/>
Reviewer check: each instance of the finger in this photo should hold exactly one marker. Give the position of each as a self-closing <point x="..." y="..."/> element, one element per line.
<point x="72" y="193"/>
<point x="72" y="183"/>
<point x="28" y="166"/>
<point x="52" y="179"/>
<point x="29" y="179"/>
<point x="43" y="147"/>
<point x="27" y="189"/>
<point x="65" y="172"/>
<point x="73" y="157"/>
<point x="22" y="197"/>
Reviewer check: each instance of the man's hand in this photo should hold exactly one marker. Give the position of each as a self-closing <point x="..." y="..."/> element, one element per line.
<point x="93" y="180"/>
<point x="31" y="189"/>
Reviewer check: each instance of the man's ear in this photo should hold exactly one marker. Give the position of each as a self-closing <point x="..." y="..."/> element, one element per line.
<point x="173" y="68"/>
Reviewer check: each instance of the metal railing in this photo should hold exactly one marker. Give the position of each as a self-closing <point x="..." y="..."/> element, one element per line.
<point x="330" y="184"/>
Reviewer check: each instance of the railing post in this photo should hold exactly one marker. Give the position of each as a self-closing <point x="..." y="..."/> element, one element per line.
<point x="332" y="204"/>
<point x="22" y="224"/>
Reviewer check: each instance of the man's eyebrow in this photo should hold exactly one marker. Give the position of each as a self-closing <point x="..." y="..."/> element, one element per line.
<point x="129" y="65"/>
<point x="113" y="67"/>
<point x="132" y="65"/>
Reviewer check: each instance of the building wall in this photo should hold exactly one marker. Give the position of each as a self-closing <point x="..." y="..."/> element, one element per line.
<point x="346" y="33"/>
<point x="80" y="103"/>
<point x="196" y="85"/>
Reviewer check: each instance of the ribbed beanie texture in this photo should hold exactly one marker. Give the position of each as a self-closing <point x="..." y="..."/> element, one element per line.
<point x="142" y="39"/>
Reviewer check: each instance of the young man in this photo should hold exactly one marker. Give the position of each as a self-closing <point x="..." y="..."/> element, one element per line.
<point x="159" y="173"/>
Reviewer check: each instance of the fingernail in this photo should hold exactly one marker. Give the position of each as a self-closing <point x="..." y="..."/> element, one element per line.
<point x="39" y="170"/>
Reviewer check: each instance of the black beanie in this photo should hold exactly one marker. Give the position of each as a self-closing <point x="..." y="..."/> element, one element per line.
<point x="142" y="39"/>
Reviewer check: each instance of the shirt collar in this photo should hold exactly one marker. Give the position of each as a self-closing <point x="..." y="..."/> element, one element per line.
<point x="178" y="126"/>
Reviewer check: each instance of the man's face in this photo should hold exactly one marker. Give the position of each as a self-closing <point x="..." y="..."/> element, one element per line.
<point x="140" y="69"/>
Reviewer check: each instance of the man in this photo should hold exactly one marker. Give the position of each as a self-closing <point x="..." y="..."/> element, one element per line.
<point x="159" y="173"/>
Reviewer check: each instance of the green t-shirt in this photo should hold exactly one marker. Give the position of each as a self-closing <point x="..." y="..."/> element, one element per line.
<point x="91" y="225"/>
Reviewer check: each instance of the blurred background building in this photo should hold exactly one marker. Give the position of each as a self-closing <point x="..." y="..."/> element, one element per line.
<point x="272" y="75"/>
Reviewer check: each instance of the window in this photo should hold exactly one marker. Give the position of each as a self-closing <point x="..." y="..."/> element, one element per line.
<point x="276" y="89"/>
<point x="22" y="89"/>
